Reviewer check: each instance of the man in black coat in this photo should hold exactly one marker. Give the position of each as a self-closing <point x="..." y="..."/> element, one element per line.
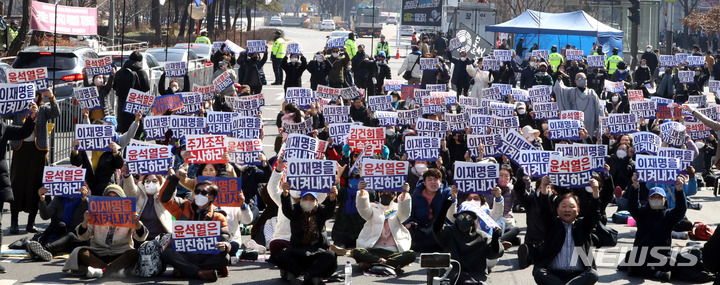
<point x="651" y="58"/>
<point x="439" y="42"/>
<point x="527" y="75"/>
<point x="132" y="75"/>
<point x="319" y="69"/>
<point x="360" y="73"/>
<point x="294" y="66"/>
<point x="378" y="72"/>
<point x="460" y="77"/>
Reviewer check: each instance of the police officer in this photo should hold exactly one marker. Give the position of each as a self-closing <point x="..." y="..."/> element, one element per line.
<point x="555" y="59"/>
<point x="612" y="62"/>
<point x="203" y="38"/>
<point x="350" y="45"/>
<point x="13" y="29"/>
<point x="383" y="46"/>
<point x="277" y="54"/>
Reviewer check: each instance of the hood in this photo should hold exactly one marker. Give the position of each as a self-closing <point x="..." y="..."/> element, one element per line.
<point x="133" y="65"/>
<point x="114" y="188"/>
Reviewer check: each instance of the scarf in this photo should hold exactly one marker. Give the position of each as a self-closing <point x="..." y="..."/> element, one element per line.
<point x="311" y="232"/>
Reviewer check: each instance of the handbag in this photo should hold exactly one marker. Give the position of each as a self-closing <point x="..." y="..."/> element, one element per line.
<point x="408" y="74"/>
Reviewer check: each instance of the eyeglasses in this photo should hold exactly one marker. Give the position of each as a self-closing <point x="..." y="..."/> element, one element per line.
<point x="465" y="216"/>
<point x="201" y="191"/>
<point x="151" y="180"/>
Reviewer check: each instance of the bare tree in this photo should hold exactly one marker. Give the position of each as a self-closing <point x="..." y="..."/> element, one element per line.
<point x="155" y="20"/>
<point x="24" y="26"/>
<point x="508" y="9"/>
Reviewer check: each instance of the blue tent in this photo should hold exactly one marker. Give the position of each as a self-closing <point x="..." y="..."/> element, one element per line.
<point x="547" y="29"/>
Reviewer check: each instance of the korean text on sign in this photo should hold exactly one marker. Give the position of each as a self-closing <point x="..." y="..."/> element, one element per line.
<point x="185" y="125"/>
<point x="196" y="236"/>
<point x="367" y="140"/>
<point x="98" y="66"/>
<point x="536" y="163"/>
<point x="206" y="148"/>
<point x="112" y="211"/>
<point x="149" y="159"/>
<point x="87" y="97"/>
<point x="138" y="101"/>
<point x="570" y="171"/>
<point x="229" y="189"/>
<point x="155" y="127"/>
<point x="311" y="175"/>
<point x="246" y="127"/>
<point x="244" y="151"/>
<point x="655" y="169"/>
<point x="473" y="177"/>
<point x="596" y="152"/>
<point x="511" y="145"/>
<point x="220" y="123"/>
<point x="256" y="46"/>
<point x="37" y="76"/>
<point x="172" y="102"/>
<point x="16" y="98"/>
<point x="422" y="148"/>
<point x="207" y="91"/>
<point x="384" y="175"/>
<point x="175" y="69"/>
<point x="646" y="142"/>
<point x="340" y="131"/>
<point x="94" y="137"/>
<point x="63" y="181"/>
<point x="302" y="97"/>
<point x="223" y="81"/>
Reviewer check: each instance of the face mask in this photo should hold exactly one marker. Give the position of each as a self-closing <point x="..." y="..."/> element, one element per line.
<point x="700" y="145"/>
<point x="643" y="65"/>
<point x="389" y="132"/>
<point x="421" y="168"/>
<point x="581" y="82"/>
<point x="201" y="200"/>
<point x="656" y="204"/>
<point x="173" y="89"/>
<point x="542" y="71"/>
<point x="307" y="206"/>
<point x="464" y="225"/>
<point x="621" y="71"/>
<point x="293" y="59"/>
<point x="621" y="154"/>
<point x="615" y="99"/>
<point x="386" y="199"/>
<point x="335" y="54"/>
<point x="99" y="82"/>
<point x="533" y="64"/>
<point x="521" y="111"/>
<point x="151" y="188"/>
<point x="243" y="167"/>
<point x="319" y="57"/>
<point x="463" y="58"/>
<point x="648" y="50"/>
<point x="182" y="153"/>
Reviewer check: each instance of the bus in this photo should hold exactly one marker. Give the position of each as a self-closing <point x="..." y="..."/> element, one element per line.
<point x="367" y="21"/>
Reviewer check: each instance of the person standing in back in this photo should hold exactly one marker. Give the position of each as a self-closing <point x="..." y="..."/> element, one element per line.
<point x="132" y="75"/>
<point x="277" y="54"/>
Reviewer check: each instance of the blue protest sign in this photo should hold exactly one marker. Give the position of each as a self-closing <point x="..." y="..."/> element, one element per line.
<point x="162" y="104"/>
<point x="94" y="137"/>
<point x="386" y="119"/>
<point x="138" y="101"/>
<point x="326" y="92"/>
<point x="491" y="64"/>
<point x="244" y="107"/>
<point x="596" y="61"/>
<point x="155" y="127"/>
<point x="644" y="109"/>
<point x="408" y="117"/>
<point x="656" y="169"/>
<point x="502" y="109"/>
<point x="16" y="98"/>
<point x="520" y="95"/>
<point x="229" y="189"/>
<point x="646" y="142"/>
<point x="471" y="177"/>
<point x="336" y="114"/>
<point x="574" y="54"/>
<point x="505" y="89"/>
<point x="565" y="129"/>
<point x="465" y="102"/>
<point x="673" y="133"/>
<point x="428" y="63"/>
<point x="186" y="125"/>
<point x="256" y="46"/>
<point x="98" y="66"/>
<point x="503" y="125"/>
<point x="63" y="181"/>
<point x="435" y="87"/>
<point x="192" y="103"/>
<point x="244" y="151"/>
<point x="492" y="93"/>
<point x="457" y="122"/>
<point x="686" y="76"/>
<point x="339" y="132"/>
<point x="545" y="111"/>
<point x="681" y="58"/>
<point x="304" y="127"/>
<point x="480" y="123"/>
<point x="490" y="143"/>
<point x="511" y="145"/>
<point x="302" y="97"/>
<point x="246" y="127"/>
<point x="535" y="163"/>
<point x="220" y="123"/>
<point x="667" y="60"/>
<point x="431" y="128"/>
<point x="422" y="148"/>
<point x="697" y="130"/>
<point x="175" y="69"/>
<point x="619" y="124"/>
<point x="540" y="94"/>
<point x="223" y="81"/>
<point x="336" y="42"/>
<point x="380" y="103"/>
<point x="293" y="48"/>
<point x="503" y="55"/>
<point x="87" y="97"/>
<point x="685" y="156"/>
<point x="207" y="91"/>
<point x="311" y="175"/>
<point x="196" y="236"/>
<point x="694" y="60"/>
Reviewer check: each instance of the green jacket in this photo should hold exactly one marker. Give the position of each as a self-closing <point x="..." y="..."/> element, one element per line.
<point x="350" y="47"/>
<point x="278" y="49"/>
<point x="612" y="62"/>
<point x="203" y="40"/>
<point x="383" y="47"/>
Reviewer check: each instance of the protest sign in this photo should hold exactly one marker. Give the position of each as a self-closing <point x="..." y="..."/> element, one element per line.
<point x="511" y="145"/>
<point x="431" y="103"/>
<point x="387" y="119"/>
<point x="490" y="143"/>
<point x="635" y="95"/>
<point x="710" y="112"/>
<point x="336" y="42"/>
<point x="138" y="101"/>
<point x="143" y="160"/>
<point x="336" y="114"/>
<point x="98" y="66"/>
<point x="480" y="123"/>
<point x="686" y="76"/>
<point x="503" y="55"/>
<point x="540" y="94"/>
<point x="535" y="163"/>
<point x="457" y="122"/>
<point x="431" y="128"/>
<point x="256" y="46"/>
<point x="429" y="63"/>
<point x="229" y="189"/>
<point x="502" y="109"/>
<point x="380" y="103"/>
<point x="545" y="111"/>
<point x="326" y="92"/>
<point x="596" y="61"/>
<point x="656" y="169"/>
<point x="192" y="103"/>
<point x="246" y="127"/>
<point x="696" y="60"/>
<point x="643" y="109"/>
<point x="520" y="95"/>
<point x="37" y="76"/>
<point x="670" y="111"/>
<point x="366" y="140"/>
<point x="713" y="85"/>
<point x="450" y="97"/>
<point x="619" y="124"/>
<point x="223" y="81"/>
<point x="468" y="102"/>
<point x="667" y="60"/>
<point x="207" y="91"/>
<point x="162" y="104"/>
<point x="384" y="175"/>
<point x="244" y="151"/>
<point x="565" y="129"/>
<point x="422" y="148"/>
<point x="454" y="44"/>
<point x="614" y="87"/>
<point x="186" y="125"/>
<point x="304" y="127"/>
<point x="491" y="64"/>
<point x="574" y="54"/>
<point x="155" y="127"/>
<point x="596" y="152"/>
<point x="112" y="211"/>
<point x="206" y="148"/>
<point x="681" y="58"/>
<point x="175" y="69"/>
<point x="673" y="133"/>
<point x="407" y="91"/>
<point x="492" y="93"/>
<point x="302" y="97"/>
<point x="541" y="53"/>
<point x="16" y="98"/>
<point x="685" y="156"/>
<point x="572" y="115"/>
<point x="646" y="142"/>
<point x="293" y="48"/>
<point x="697" y="130"/>
<point x="87" y="97"/>
<point x="233" y="47"/>
<point x="700" y="100"/>
<point x="570" y="171"/>
<point x="244" y="107"/>
<point x="473" y="177"/>
<point x="196" y="236"/>
<point x="408" y="117"/>
<point x="339" y="132"/>
<point x="394" y="85"/>
<point x="94" y="137"/>
<point x="220" y="123"/>
<point x="311" y="175"/>
<point x="502" y="125"/>
<point x="474" y="111"/>
<point x="505" y="89"/>
<point x="63" y="181"/>
<point x="436" y="87"/>
<point x="304" y="142"/>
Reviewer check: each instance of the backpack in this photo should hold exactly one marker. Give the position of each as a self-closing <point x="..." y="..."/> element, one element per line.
<point x="620" y="217"/>
<point x="150" y="264"/>
<point x="701" y="231"/>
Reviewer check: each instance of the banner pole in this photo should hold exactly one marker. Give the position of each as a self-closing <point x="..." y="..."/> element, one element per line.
<point x="167" y="27"/>
<point x="55" y="48"/>
<point x="122" y="38"/>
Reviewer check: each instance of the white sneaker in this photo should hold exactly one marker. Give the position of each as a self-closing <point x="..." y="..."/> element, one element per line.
<point x="94" y="272"/>
<point x="120" y="274"/>
<point x="252" y="244"/>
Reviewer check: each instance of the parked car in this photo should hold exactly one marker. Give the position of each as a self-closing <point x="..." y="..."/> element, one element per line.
<point x="66" y="66"/>
<point x="391" y="21"/>
<point x="327" y="25"/>
<point x="201" y="50"/>
<point x="149" y="62"/>
<point x="275" y="21"/>
<point x="240" y="24"/>
<point x="339" y="34"/>
<point x="406" y="31"/>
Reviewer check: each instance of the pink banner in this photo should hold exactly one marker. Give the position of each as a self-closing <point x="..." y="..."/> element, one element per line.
<point x="70" y="20"/>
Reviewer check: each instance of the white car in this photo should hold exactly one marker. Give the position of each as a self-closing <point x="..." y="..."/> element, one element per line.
<point x="275" y="21"/>
<point x="327" y="25"/>
<point x="406" y="31"/>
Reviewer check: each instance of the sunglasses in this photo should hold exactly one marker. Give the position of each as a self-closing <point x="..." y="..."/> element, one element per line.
<point x="201" y="191"/>
<point x="465" y="216"/>
<point x="151" y="181"/>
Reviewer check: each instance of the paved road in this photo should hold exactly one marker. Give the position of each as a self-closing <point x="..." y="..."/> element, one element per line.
<point x="506" y="272"/>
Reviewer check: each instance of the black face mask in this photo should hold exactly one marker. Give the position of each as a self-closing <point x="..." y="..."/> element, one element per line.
<point x="386" y="199"/>
<point x="464" y="225"/>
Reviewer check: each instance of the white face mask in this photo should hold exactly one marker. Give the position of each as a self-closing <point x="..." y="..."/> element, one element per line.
<point x="700" y="145"/>
<point x="621" y="154"/>
<point x="173" y="89"/>
<point x="648" y="50"/>
<point x="389" y="132"/>
<point x="463" y="58"/>
<point x="319" y="57"/>
<point x="182" y="153"/>
<point x="521" y="111"/>
<point x="335" y="54"/>
<point x="99" y="82"/>
<point x="243" y="167"/>
<point x="615" y="99"/>
<point x="307" y="206"/>
<point x="421" y="168"/>
<point x="293" y="59"/>
<point x="151" y="188"/>
<point x="533" y="64"/>
<point x="201" y="200"/>
<point x="656" y="204"/>
<point x="643" y="65"/>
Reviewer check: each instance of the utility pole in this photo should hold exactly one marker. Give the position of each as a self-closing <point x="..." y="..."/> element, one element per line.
<point x="635" y="21"/>
<point x="111" y="23"/>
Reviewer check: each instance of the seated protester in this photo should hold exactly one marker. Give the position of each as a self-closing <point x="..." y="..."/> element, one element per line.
<point x="417" y="169"/>
<point x="174" y="86"/>
<point x="251" y="176"/>
<point x="467" y="242"/>
<point x="426" y="207"/>
<point x="524" y="116"/>
<point x="531" y="200"/>
<point x="655" y="225"/>
<point x="689" y="189"/>
<point x="65" y="214"/>
<point x="507" y="220"/>
<point x="398" y="103"/>
<point x="100" y="166"/>
<point x="359" y="112"/>
<point x="495" y="214"/>
<point x="199" y="208"/>
<point x="308" y="252"/>
<point x="236" y="216"/>
<point x="622" y="74"/>
<point x="152" y="214"/>
<point x="111" y="251"/>
<point x="565" y="233"/>
<point x="620" y="161"/>
<point x="210" y="170"/>
<point x="383" y="239"/>
<point x="624" y="201"/>
<point x="617" y="104"/>
<point x="348" y="222"/>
